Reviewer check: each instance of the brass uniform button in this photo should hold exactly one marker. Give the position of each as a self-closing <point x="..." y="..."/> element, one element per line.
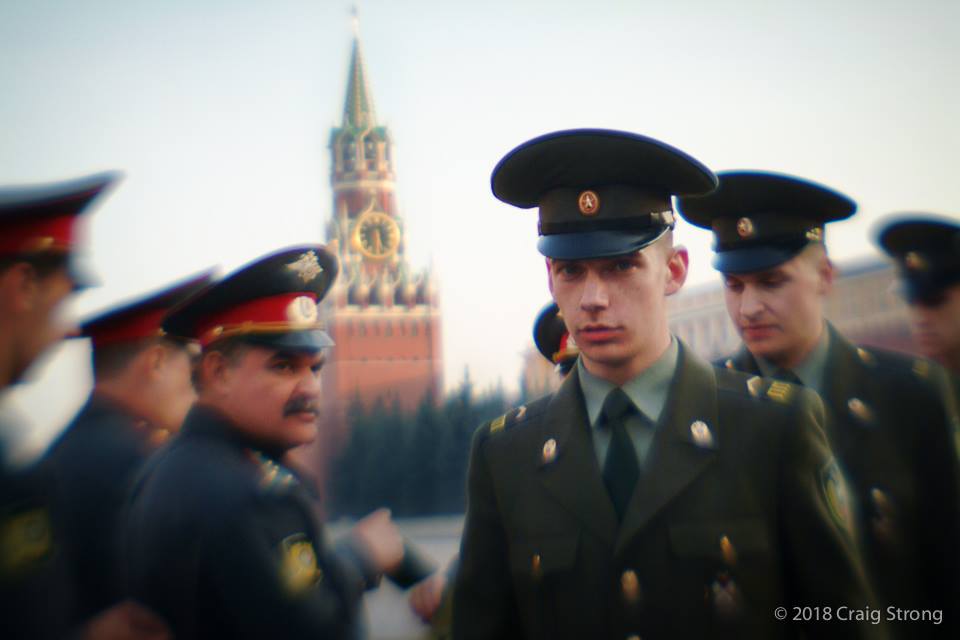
<point x="728" y="551"/>
<point x="630" y="586"/>
<point x="535" y="565"/>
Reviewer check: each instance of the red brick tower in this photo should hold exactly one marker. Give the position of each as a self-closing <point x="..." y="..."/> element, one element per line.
<point x="383" y="316"/>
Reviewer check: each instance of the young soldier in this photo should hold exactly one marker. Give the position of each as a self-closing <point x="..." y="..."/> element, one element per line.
<point x="652" y="496"/>
<point x="927" y="252"/>
<point x="887" y="420"/>
<point x="222" y="539"/>
<point x="142" y="391"/>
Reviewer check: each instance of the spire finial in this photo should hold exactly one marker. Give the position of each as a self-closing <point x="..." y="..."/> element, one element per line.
<point x="358" y="109"/>
<point x="355" y="21"/>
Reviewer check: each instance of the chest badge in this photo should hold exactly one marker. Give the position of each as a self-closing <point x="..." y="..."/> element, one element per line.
<point x="702" y="437"/>
<point x="549" y="451"/>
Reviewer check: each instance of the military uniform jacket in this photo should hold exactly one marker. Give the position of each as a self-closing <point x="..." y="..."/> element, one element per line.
<point x="894" y="436"/>
<point x="720" y="531"/>
<point x="94" y="463"/>
<point x="36" y="600"/>
<point x="225" y="543"/>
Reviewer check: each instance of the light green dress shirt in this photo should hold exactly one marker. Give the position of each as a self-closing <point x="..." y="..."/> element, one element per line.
<point x="812" y="371"/>
<point x="648" y="391"/>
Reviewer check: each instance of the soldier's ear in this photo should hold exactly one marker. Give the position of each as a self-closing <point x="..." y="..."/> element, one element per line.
<point x="825" y="272"/>
<point x="18" y="284"/>
<point x="677" y="267"/>
<point x="546" y="261"/>
<point x="213" y="371"/>
<point x="155" y="357"/>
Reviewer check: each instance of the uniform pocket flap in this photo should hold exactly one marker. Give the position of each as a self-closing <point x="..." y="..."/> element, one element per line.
<point x="544" y="555"/>
<point x="719" y="538"/>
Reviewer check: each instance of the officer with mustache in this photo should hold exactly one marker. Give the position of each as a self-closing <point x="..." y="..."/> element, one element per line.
<point x="223" y="540"/>
<point x="889" y="419"/>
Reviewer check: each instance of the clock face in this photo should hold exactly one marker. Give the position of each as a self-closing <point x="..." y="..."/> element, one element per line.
<point x="376" y="235"/>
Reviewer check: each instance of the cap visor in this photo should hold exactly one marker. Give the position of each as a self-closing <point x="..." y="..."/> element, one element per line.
<point x="751" y="259"/>
<point x="309" y="340"/>
<point x="595" y="244"/>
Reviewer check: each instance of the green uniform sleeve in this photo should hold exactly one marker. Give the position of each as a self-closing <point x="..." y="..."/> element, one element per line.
<point x="483" y="603"/>
<point x="825" y="569"/>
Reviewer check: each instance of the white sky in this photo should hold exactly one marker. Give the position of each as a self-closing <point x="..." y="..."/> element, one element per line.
<point x="219" y="112"/>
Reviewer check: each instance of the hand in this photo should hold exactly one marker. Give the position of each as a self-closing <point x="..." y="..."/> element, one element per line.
<point x="426" y="596"/>
<point x="127" y="620"/>
<point x="381" y="539"/>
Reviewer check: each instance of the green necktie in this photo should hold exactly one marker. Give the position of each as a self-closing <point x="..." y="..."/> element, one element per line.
<point x="620" y="469"/>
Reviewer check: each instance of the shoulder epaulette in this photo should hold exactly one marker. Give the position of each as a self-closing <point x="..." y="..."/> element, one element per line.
<point x="921" y="368"/>
<point x="757" y="387"/>
<point x="518" y="415"/>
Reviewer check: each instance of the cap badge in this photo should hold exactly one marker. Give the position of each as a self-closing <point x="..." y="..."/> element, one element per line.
<point x="306" y="266"/>
<point x="745" y="228"/>
<point x="915" y="261"/>
<point x="701" y="434"/>
<point x="589" y="203"/>
<point x="302" y="311"/>
<point x="815" y="234"/>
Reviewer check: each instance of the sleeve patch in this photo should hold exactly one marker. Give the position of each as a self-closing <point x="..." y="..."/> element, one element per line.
<point x="835" y="494"/>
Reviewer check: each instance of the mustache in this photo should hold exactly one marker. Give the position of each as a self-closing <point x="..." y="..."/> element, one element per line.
<point x="301" y="404"/>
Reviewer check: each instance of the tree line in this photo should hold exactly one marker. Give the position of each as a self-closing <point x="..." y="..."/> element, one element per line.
<point x="413" y="463"/>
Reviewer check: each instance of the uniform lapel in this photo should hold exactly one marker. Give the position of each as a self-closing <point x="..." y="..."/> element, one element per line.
<point x="572" y="476"/>
<point x="677" y="457"/>
<point x="842" y="372"/>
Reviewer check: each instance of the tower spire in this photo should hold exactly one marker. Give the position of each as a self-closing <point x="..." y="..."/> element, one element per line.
<point x="358" y="111"/>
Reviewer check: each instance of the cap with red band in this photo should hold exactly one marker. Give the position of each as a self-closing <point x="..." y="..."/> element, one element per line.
<point x="142" y="318"/>
<point x="271" y="301"/>
<point x="42" y="218"/>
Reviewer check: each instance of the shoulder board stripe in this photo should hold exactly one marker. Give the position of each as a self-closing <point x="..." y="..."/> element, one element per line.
<point x="779" y="391"/>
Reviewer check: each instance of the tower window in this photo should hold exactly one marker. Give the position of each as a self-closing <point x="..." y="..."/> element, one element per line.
<point x="389" y="329"/>
<point x="349" y="153"/>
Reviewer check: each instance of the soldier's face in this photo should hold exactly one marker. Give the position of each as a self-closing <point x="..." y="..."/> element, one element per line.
<point x="779" y="312"/>
<point x="274" y="394"/>
<point x="936" y="326"/>
<point x="35" y="308"/>
<point x="615" y="308"/>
